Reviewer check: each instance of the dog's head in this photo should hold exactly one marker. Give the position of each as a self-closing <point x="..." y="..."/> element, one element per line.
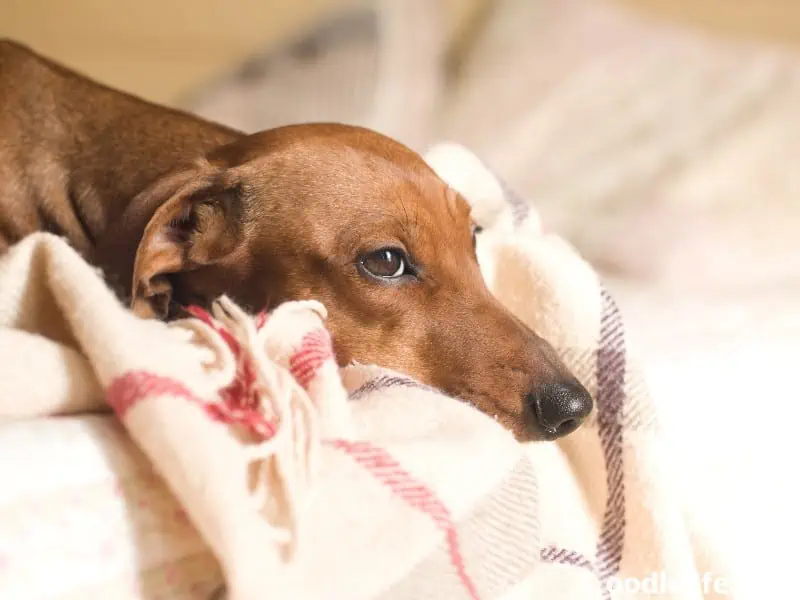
<point x="361" y="223"/>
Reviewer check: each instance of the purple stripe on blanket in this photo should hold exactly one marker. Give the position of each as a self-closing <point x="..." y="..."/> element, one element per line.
<point x="384" y="382"/>
<point x="611" y="371"/>
<point x="556" y="555"/>
<point x="500" y="542"/>
<point x="520" y="208"/>
<point x="611" y="368"/>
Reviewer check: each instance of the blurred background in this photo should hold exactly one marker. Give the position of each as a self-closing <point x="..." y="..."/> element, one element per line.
<point x="661" y="137"/>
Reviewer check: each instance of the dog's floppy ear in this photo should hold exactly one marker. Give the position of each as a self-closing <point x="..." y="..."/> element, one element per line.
<point x="198" y="225"/>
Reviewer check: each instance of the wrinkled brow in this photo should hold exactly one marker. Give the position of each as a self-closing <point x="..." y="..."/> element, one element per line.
<point x="376" y="228"/>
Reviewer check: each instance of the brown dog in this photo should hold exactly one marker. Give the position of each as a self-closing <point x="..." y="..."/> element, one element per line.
<point x="177" y="211"/>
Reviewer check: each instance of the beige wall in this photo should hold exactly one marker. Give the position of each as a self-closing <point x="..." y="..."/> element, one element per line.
<point x="162" y="48"/>
<point x="157" y="48"/>
<point x="773" y="20"/>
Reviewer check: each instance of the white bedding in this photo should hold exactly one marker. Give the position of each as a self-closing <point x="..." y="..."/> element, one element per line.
<point x="415" y="495"/>
<point x="81" y="505"/>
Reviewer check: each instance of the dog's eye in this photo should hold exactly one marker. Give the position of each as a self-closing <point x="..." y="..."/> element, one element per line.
<point x="386" y="263"/>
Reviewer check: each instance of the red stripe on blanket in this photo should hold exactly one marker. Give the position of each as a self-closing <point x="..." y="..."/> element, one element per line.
<point x="131" y="388"/>
<point x="241" y="400"/>
<point x="241" y="405"/>
<point x="261" y="319"/>
<point x="204" y="316"/>
<point x="389" y="472"/>
<point x="315" y="349"/>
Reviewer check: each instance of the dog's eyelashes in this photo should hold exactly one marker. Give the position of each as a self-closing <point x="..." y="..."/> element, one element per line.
<point x="387" y="263"/>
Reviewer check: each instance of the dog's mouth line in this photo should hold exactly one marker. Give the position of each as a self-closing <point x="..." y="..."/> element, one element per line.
<point x="492" y="407"/>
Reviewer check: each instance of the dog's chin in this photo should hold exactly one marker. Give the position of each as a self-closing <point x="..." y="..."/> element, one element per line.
<point x="521" y="428"/>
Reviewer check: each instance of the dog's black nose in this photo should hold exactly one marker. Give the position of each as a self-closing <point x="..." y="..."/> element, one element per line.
<point x="559" y="408"/>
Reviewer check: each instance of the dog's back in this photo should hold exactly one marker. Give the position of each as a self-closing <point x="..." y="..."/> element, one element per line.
<point x="73" y="152"/>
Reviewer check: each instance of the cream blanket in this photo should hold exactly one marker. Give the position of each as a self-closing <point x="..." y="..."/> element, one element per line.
<point x="247" y="465"/>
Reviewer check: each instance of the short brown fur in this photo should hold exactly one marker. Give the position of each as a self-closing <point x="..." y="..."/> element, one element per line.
<point x="178" y="210"/>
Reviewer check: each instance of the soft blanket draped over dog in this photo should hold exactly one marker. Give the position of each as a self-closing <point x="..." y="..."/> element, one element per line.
<point x="249" y="466"/>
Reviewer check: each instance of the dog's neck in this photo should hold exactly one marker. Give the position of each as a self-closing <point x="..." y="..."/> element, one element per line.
<point x="78" y="153"/>
<point x="135" y="145"/>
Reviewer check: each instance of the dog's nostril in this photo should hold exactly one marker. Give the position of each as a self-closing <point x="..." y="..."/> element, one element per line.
<point x="560" y="408"/>
<point x="567" y="427"/>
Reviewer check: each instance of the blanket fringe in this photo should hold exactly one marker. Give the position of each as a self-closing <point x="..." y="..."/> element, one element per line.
<point x="285" y="462"/>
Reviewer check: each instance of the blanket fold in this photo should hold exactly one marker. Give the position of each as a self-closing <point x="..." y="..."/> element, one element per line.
<point x="247" y="465"/>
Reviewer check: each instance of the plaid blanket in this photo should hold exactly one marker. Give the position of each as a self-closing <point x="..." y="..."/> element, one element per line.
<point x="242" y="463"/>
